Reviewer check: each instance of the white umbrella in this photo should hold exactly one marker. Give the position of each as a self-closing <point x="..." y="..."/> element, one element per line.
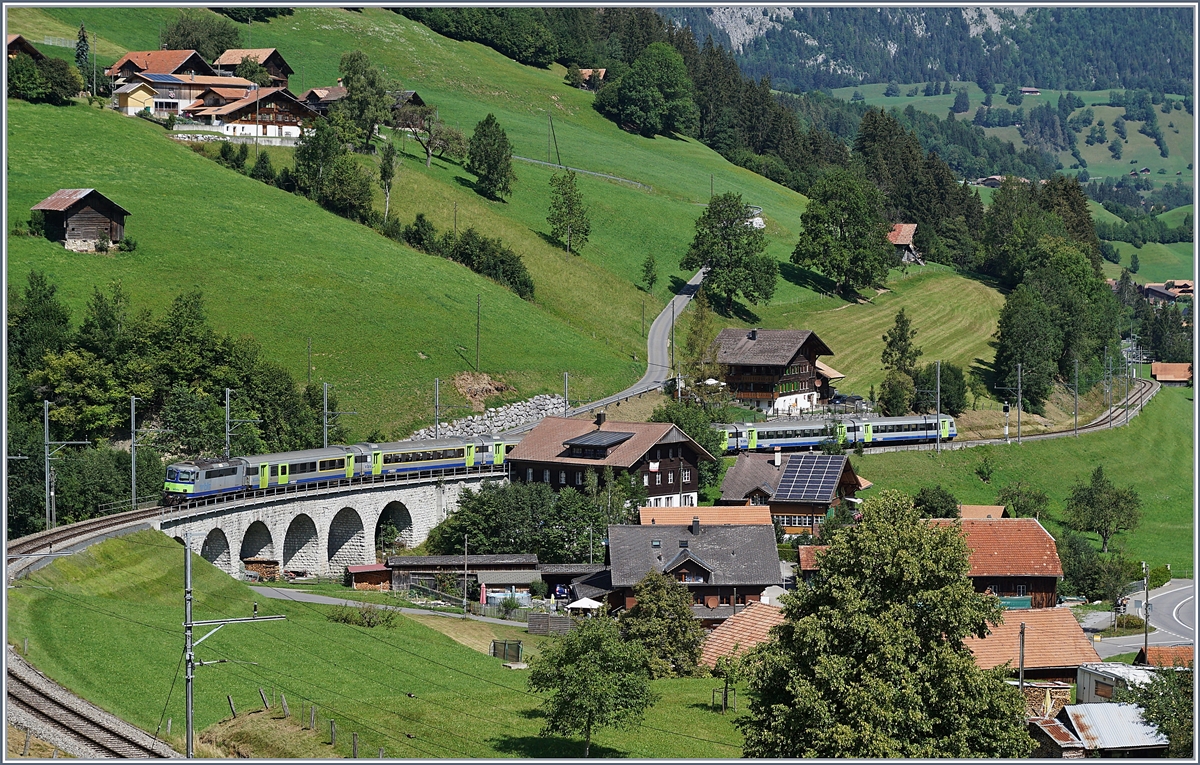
<point x="586" y="603"/>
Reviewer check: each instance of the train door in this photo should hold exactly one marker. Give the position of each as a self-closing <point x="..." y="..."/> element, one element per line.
<point x="841" y="432"/>
<point x="724" y="440"/>
<point x="498" y="453"/>
<point x="349" y="465"/>
<point x="376" y="463"/>
<point x="264" y="476"/>
<point x="867" y="435"/>
<point x="283" y="474"/>
<point x="945" y="427"/>
<point x="752" y="436"/>
<point x="470" y="455"/>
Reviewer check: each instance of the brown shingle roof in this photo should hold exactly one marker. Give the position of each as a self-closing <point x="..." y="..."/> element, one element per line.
<point x="1164" y="372"/>
<point x="545" y="442"/>
<point x="1166" y="656"/>
<point x="902" y="234"/>
<point x="1009" y="547"/>
<point x="158" y="61"/>
<point x="1053" y="638"/>
<point x="25" y="47"/>
<point x="64" y="199"/>
<point x="324" y="94"/>
<point x="750" y="471"/>
<point x="773" y="347"/>
<point x="234" y="56"/>
<point x="757" y="515"/>
<point x="980" y="512"/>
<point x="740" y="632"/>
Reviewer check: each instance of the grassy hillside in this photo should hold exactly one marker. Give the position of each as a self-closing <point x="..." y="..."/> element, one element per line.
<point x="1156" y="262"/>
<point x="106" y="623"/>
<point x="1154" y="454"/>
<point x="1175" y="217"/>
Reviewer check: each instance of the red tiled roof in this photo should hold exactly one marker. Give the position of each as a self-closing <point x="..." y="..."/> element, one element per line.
<point x="1053" y="638"/>
<point x="1164" y="372"/>
<point x="1166" y="656"/>
<point x="1009" y="547"/>
<point x="902" y="233"/>
<point x="545" y="442"/>
<point x="234" y="56"/>
<point x="156" y="61"/>
<point x="981" y="512"/>
<point x="740" y="632"/>
<point x="806" y="556"/>
<point x="720" y="515"/>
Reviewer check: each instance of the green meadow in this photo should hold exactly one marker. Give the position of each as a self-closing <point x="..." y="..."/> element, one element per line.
<point x="105" y="623"/>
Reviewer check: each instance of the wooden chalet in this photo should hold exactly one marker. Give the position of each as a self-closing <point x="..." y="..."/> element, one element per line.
<point x="772" y="370"/>
<point x="373" y="576"/>
<point x="406" y="98"/>
<point x="177" y="62"/>
<point x="560" y="452"/>
<point x="18" y="44"/>
<point x="176" y="93"/>
<point x="901" y="237"/>
<point x="827" y="382"/>
<point x="723" y="567"/>
<point x="801" y="490"/>
<point x="1166" y="656"/>
<point x="269" y="112"/>
<point x="409" y="570"/>
<point x="1030" y="92"/>
<point x="77" y="218"/>
<point x="269" y="58"/>
<point x="1013" y="558"/>
<point x="722" y="516"/>
<point x="321" y="100"/>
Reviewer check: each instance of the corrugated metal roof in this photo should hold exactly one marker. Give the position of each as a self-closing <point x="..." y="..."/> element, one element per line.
<point x="64" y="199"/>
<point x="367" y="568"/>
<point x="1112" y="726"/>
<point x="1058" y="733"/>
<point x="1118" y="670"/>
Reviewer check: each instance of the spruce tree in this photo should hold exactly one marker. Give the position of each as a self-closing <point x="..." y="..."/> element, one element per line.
<point x="899" y="352"/>
<point x="489" y="157"/>
<point x="82" y="50"/>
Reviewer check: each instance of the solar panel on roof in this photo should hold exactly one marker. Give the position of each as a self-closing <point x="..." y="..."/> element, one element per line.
<point x="809" y="478"/>
<point x="602" y="438"/>
<point x="160" y="77"/>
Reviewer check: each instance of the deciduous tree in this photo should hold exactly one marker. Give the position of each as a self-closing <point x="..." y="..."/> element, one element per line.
<point x="953" y="386"/>
<point x="569" y="220"/>
<point x="845" y="235"/>
<point x="899" y="351"/>
<point x="489" y="158"/>
<point x="1102" y="508"/>
<point x="733" y="251"/>
<point x="662" y="621"/>
<point x="1168" y="702"/>
<point x="896" y="394"/>
<point x="649" y="272"/>
<point x="387" y="172"/>
<point x="1023" y="500"/>
<point x="249" y="69"/>
<point x="936" y="502"/>
<point x="1027" y="334"/>
<point x="595" y="680"/>
<point x="367" y="103"/>
<point x="893" y="677"/>
<point x="206" y="33"/>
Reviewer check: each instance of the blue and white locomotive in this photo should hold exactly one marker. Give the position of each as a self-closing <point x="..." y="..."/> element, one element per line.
<point x="194" y="479"/>
<point x="798" y="433"/>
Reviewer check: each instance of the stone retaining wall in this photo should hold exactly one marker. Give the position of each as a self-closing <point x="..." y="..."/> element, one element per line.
<point x="496" y="420"/>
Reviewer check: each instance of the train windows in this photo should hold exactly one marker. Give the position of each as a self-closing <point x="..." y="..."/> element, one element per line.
<point x="252" y="471"/>
<point x="360" y="459"/>
<point x="483" y="449"/>
<point x="220" y="473"/>
<point x="274" y="470"/>
<point x="302" y="467"/>
<point x="335" y="464"/>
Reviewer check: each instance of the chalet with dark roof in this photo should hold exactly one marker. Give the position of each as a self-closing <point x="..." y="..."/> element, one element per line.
<point x="406" y="98"/>
<point x="269" y="58"/>
<point x="772" y="370"/>
<point x="560" y="452"/>
<point x="321" y="100"/>
<point x="78" y="218"/>
<point x="723" y="567"/>
<point x="18" y="44"/>
<point x="269" y="112"/>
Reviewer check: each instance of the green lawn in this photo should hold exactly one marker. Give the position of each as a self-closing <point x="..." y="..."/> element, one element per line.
<point x="1154" y="454"/>
<point x="1174" y="217"/>
<point x="109" y="629"/>
<point x="1156" y="262"/>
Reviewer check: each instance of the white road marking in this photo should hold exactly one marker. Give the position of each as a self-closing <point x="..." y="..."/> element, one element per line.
<point x="1175" y="612"/>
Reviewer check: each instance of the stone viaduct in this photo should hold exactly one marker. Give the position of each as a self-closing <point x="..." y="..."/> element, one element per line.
<point x="323" y="530"/>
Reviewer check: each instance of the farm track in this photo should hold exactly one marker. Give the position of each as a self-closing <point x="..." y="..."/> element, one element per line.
<point x="70" y="723"/>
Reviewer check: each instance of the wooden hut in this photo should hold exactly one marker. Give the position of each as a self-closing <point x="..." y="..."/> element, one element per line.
<point x="77" y="218"/>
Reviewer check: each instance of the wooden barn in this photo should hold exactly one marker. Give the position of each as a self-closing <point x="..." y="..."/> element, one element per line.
<point x="77" y="218"/>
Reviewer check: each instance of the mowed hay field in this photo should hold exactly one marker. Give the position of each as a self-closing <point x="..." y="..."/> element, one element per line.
<point x="109" y="629"/>
<point x="1154" y="454"/>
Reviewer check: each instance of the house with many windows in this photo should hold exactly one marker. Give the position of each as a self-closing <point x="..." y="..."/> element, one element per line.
<point x="560" y="451"/>
<point x="773" y="370"/>
<point x="800" y="489"/>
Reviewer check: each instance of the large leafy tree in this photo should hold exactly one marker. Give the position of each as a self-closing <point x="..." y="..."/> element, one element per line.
<point x="1102" y="508"/>
<point x="1027" y="335"/>
<point x="249" y="69"/>
<point x="427" y="129"/>
<point x="1168" y="702"/>
<point x="663" y="623"/>
<point x="936" y="502"/>
<point x="1023" y="500"/>
<point x="733" y="252"/>
<point x="489" y="158"/>
<point x="206" y="33"/>
<point x="367" y="103"/>
<point x="654" y="96"/>
<point x="316" y="149"/>
<point x="569" y="220"/>
<point x="953" y="387"/>
<point x="899" y="351"/>
<point x="595" y="680"/>
<point x="871" y="660"/>
<point x="845" y="234"/>
<point x="387" y="173"/>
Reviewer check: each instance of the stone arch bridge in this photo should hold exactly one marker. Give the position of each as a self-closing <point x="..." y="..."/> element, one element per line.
<point x="323" y="529"/>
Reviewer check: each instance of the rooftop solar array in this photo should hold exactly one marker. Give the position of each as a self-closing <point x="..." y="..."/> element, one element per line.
<point x="160" y="77"/>
<point x="601" y="438"/>
<point x="810" y="478"/>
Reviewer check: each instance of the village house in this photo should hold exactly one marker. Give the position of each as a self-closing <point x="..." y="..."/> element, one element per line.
<point x="1166" y="656"/>
<point x="321" y="99"/>
<point x="269" y="58"/>
<point x="723" y="567"/>
<point x="1013" y="558"/>
<point x="269" y="112"/>
<point x="406" y="98"/>
<point x="133" y="97"/>
<point x="176" y="62"/>
<point x="423" y="570"/>
<point x="79" y="218"/>
<point x="1166" y="293"/>
<point x="801" y="490"/>
<point x="560" y="451"/>
<point x="772" y="370"/>
<point x="1174" y="375"/>
<point x="681" y="516"/>
<point x="825" y="385"/>
<point x="1030" y="92"/>
<point x="1055" y="645"/>
<point x="178" y="93"/>
<point x="901" y="237"/>
<point x="982" y="512"/>
<point x="18" y="44"/>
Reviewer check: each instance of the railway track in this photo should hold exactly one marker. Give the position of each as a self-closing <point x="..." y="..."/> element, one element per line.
<point x="70" y="723"/>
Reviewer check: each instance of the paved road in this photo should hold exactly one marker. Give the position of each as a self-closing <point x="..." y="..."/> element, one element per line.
<point x="1173" y="616"/>
<point x="279" y="593"/>
<point x="658" y="354"/>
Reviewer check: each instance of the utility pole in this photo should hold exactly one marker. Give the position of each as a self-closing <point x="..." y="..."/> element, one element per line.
<point x="189" y="648"/>
<point x="133" y="431"/>
<point x="672" y="336"/>
<point x="1146" y="613"/>
<point x="478" y="316"/>
<point x="231" y="424"/>
<point x="437" y="414"/>
<point x="1019" y="404"/>
<point x="566" y="392"/>
<point x="455" y="215"/>
<point x="1021" y="661"/>
<point x="325" y="413"/>
<point x="59" y="445"/>
<point x="939" y="407"/>
<point x="464" y="576"/>
<point x="1077" y="397"/>
<point x="310" y="361"/>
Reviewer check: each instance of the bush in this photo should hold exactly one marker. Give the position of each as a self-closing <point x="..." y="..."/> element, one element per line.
<point x="170" y="123"/>
<point x="1129" y="622"/>
<point x="364" y="615"/>
<point x="986" y="468"/>
<point x="509" y="605"/>
<point x="1159" y="576"/>
<point x="103" y="242"/>
<point x="37" y="223"/>
<point x="539" y="588"/>
<point x="128" y="244"/>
